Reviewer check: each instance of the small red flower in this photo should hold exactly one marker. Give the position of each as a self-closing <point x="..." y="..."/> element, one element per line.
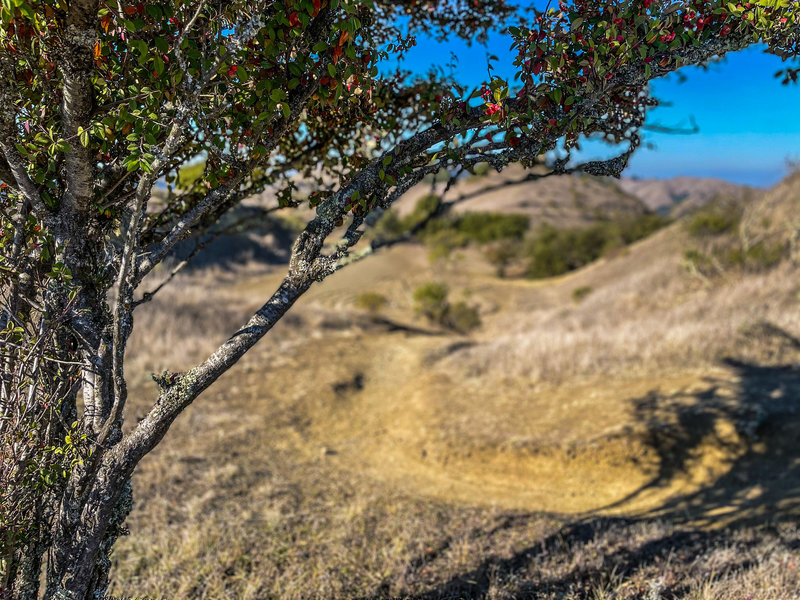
<point x="294" y="19"/>
<point x="232" y="71"/>
<point x="493" y="108"/>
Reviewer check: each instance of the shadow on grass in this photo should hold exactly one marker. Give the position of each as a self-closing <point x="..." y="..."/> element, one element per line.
<point x="730" y="527"/>
<point x="611" y="558"/>
<point x="753" y="416"/>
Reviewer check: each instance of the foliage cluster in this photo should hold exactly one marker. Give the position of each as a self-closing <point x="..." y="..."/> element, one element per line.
<point x="555" y="251"/>
<point x="713" y="221"/>
<point x="431" y="301"/>
<point x="372" y="302"/>
<point x="443" y="231"/>
<point x="719" y="246"/>
<point x="579" y="293"/>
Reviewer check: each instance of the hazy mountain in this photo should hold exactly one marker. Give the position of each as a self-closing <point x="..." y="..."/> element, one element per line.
<point x="679" y="195"/>
<point x="563" y="201"/>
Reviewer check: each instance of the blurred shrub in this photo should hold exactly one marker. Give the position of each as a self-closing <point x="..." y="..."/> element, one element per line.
<point x="580" y="293"/>
<point x="391" y="225"/>
<point x="730" y="256"/>
<point x="490" y="227"/>
<point x="713" y="221"/>
<point x="720" y="244"/>
<point x="442" y="241"/>
<point x="502" y="254"/>
<point x="446" y="233"/>
<point x="430" y="300"/>
<point x="461" y="317"/>
<point x="557" y="251"/>
<point x="371" y="301"/>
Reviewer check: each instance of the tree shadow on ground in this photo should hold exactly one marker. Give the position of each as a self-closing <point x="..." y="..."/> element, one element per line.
<point x="753" y="417"/>
<point x="725" y="527"/>
<point x="607" y="557"/>
<point x="248" y="235"/>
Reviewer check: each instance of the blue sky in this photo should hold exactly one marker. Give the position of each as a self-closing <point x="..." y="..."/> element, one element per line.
<point x="749" y="123"/>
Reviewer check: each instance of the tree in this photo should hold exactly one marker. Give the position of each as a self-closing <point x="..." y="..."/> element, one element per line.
<point x="101" y="103"/>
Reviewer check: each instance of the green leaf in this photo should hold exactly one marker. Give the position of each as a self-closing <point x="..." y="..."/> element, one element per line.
<point x="387" y="160"/>
<point x="331" y="70"/>
<point x="154" y="11"/>
<point x="161" y="44"/>
<point x="158" y="65"/>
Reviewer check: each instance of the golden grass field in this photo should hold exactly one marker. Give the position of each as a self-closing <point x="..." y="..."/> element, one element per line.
<point x="638" y="442"/>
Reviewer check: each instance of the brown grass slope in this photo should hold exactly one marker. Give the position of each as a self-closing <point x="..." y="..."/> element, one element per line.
<point x="557" y="201"/>
<point x="585" y="446"/>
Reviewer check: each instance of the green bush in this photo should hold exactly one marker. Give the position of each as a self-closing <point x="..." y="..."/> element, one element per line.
<point x="430" y="300"/>
<point x="446" y="233"/>
<point x="425" y="207"/>
<point x="442" y="241"/>
<point x="713" y="222"/>
<point x="554" y="251"/>
<point x="764" y="256"/>
<point x="461" y="317"/>
<point x="371" y="301"/>
<point x="491" y="227"/>
<point x="389" y="226"/>
<point x="760" y="257"/>
<point x="501" y="254"/>
<point x="580" y="293"/>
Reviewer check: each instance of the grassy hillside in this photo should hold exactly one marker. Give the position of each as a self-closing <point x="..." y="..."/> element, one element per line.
<point x="558" y="201"/>
<point x="627" y="430"/>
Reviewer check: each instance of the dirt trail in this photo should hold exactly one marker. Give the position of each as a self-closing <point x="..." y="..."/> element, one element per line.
<point x="379" y="401"/>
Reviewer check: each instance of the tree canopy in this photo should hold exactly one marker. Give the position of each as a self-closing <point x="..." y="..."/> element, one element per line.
<point x="102" y="103"/>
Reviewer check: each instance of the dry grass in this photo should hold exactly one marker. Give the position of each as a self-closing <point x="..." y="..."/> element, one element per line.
<point x="359" y="456"/>
<point x="656" y="319"/>
<point x="248" y="510"/>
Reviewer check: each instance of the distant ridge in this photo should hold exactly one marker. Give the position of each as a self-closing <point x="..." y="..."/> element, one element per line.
<point x="679" y="195"/>
<point x="561" y="201"/>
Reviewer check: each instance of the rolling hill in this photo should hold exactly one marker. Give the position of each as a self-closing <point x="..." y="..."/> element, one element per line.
<point x="377" y="454"/>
